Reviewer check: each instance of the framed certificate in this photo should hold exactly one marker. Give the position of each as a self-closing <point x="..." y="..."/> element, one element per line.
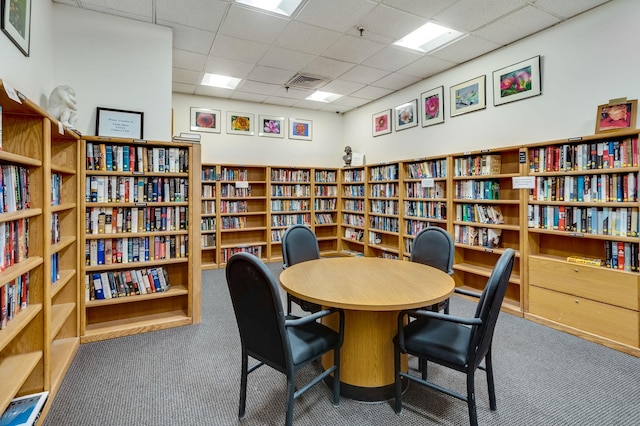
<point x="119" y="123"/>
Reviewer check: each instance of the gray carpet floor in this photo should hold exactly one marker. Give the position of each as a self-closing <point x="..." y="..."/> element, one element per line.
<point x="191" y="376"/>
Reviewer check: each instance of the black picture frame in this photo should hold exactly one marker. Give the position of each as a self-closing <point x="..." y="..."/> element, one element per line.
<point x="16" y="24"/>
<point x="119" y="123"/>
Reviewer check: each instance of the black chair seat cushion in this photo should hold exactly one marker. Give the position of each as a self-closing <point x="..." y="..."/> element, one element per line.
<point x="438" y="340"/>
<point x="310" y="341"/>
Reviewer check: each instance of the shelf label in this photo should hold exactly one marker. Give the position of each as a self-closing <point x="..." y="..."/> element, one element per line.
<point x="427" y="183"/>
<point x="488" y="250"/>
<point x="579" y="138"/>
<point x="138" y="173"/>
<point x="242" y="184"/>
<point x="60" y="128"/>
<point x="523" y="182"/>
<point x="522" y="157"/>
<point x="139" y="141"/>
<point x="141" y="204"/>
<point x="576" y="234"/>
<point x="11" y="92"/>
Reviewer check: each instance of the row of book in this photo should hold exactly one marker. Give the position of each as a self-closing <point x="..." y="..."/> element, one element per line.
<point x="378" y="173"/>
<point x="326" y="176"/>
<point x="417" y="190"/>
<point x="129" y="158"/>
<point x="619" y="222"/>
<point x="55" y="228"/>
<point x="229" y="174"/>
<point x="477" y="165"/>
<point x="290" y="205"/>
<point x="427" y="169"/>
<point x="55" y="267"/>
<point x="208" y="224"/>
<point x="290" y="190"/>
<point x="208" y="191"/>
<point x="482" y="213"/>
<point x="612" y="154"/>
<point x="412" y="227"/>
<point x="230" y="251"/>
<point x="14" y="188"/>
<point x="56" y="185"/>
<point x="116" y="220"/>
<point x="208" y="174"/>
<point x="128" y="282"/>
<point x="354" y="234"/>
<point x="353" y="205"/>
<point x="290" y="175"/>
<point x="234" y="222"/>
<point x="389" y="224"/>
<point x="477" y="190"/>
<point x="326" y="191"/>
<point x="208" y="207"/>
<point x="324" y="205"/>
<point x="110" y="251"/>
<point x="234" y="206"/>
<point x="14" y="297"/>
<point x="14" y="242"/>
<point x="353" y="219"/>
<point x="208" y="240"/>
<point x="123" y="189"/>
<point x="290" y="219"/>
<point x="478" y="236"/>
<point x="599" y="188"/>
<point x="621" y="255"/>
<point x="383" y="190"/>
<point x="426" y="209"/>
<point x="276" y="235"/>
<point x="230" y="190"/>
<point x="353" y="191"/>
<point x="384" y="206"/>
<point x="353" y="175"/>
<point x="324" y="219"/>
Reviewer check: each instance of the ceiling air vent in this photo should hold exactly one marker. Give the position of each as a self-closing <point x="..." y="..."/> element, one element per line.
<point x="306" y="81"/>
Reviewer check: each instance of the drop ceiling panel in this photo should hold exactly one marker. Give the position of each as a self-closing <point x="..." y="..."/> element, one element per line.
<point x="238" y="50"/>
<point x="270" y="75"/>
<point x="363" y="74"/>
<point x="371" y="92"/>
<point x="465" y="49"/>
<point x="396" y="81"/>
<point x="276" y="100"/>
<point x="183" y="88"/>
<point x="326" y="67"/>
<point x="306" y="38"/>
<point x="352" y="49"/>
<point x="337" y="15"/>
<point x="139" y="8"/>
<point x="201" y="14"/>
<point x="191" y="39"/>
<point x="392" y="58"/>
<point x="228" y="67"/>
<point x="469" y="15"/>
<point x="391" y="22"/>
<point x="249" y="97"/>
<point x="186" y="76"/>
<point x="517" y="25"/>
<point x="188" y="60"/>
<point x="425" y="9"/>
<point x="342" y="87"/>
<point x="278" y="57"/>
<point x="215" y="92"/>
<point x="251" y="25"/>
<point x="568" y="8"/>
<point x="426" y="67"/>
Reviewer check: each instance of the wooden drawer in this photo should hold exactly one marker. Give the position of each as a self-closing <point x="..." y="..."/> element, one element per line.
<point x="609" y="286"/>
<point x="618" y="324"/>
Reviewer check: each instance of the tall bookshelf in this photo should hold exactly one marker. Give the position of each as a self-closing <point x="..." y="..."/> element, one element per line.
<point x="487" y="219"/>
<point x="40" y="255"/>
<point x="383" y="204"/>
<point x="290" y="203"/>
<point x="325" y="210"/>
<point x="582" y="234"/>
<point x="209" y="218"/>
<point x="353" y="220"/>
<point x="142" y="236"/>
<point x="424" y="197"/>
<point x="243" y="211"/>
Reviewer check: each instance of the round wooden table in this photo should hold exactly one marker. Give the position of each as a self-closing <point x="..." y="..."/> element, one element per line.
<point x="371" y="291"/>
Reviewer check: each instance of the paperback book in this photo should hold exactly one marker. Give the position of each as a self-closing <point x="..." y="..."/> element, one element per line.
<point x="25" y="410"/>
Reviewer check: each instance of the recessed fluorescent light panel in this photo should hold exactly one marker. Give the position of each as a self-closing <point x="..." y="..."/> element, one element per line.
<point x="223" y="81"/>
<point x="323" y="96"/>
<point x="428" y="37"/>
<point x="281" y="7"/>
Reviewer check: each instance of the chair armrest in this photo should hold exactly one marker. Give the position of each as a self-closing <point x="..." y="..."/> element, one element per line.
<point x="315" y="316"/>
<point x="430" y="314"/>
<point x="467" y="293"/>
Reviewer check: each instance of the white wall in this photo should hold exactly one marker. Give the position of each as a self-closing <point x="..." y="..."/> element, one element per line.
<point x="116" y="63"/>
<point x="31" y="75"/>
<point x="324" y="150"/>
<point x="585" y="62"/>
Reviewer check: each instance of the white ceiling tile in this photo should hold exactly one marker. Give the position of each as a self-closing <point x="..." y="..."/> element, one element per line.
<point x="396" y="81"/>
<point x="251" y="25"/>
<point x="202" y="14"/>
<point x="238" y="50"/>
<point x="338" y="15"/>
<point x="309" y="105"/>
<point x="352" y="49"/>
<point x="183" y="88"/>
<point x="216" y="92"/>
<point x="341" y="87"/>
<point x="270" y="75"/>
<point x="465" y="49"/>
<point x="332" y="107"/>
<point x="426" y="9"/>
<point x="188" y="60"/>
<point x="371" y="92"/>
<point x="520" y="23"/>
<point x="67" y="2"/>
<point x="392" y="58"/>
<point x="257" y="87"/>
<point x="391" y="22"/>
<point x="120" y="13"/>
<point x="426" y="67"/>
<point x="140" y="8"/>
<point x="276" y="100"/>
<point x="292" y="93"/>
<point x="228" y="67"/>
<point x="186" y="76"/>
<point x="469" y="15"/>
<point x="306" y="38"/>
<point x="327" y="67"/>
<point x="349" y="101"/>
<point x="192" y="40"/>
<point x="293" y="60"/>
<point x="568" y="8"/>
<point x="249" y="97"/>
<point x="363" y="74"/>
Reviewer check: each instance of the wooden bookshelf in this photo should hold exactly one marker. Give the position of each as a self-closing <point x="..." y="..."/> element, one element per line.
<point x="353" y="215"/>
<point x="152" y="216"/>
<point x="39" y="342"/>
<point x="325" y="210"/>
<point x="209" y="217"/>
<point x="383" y="211"/>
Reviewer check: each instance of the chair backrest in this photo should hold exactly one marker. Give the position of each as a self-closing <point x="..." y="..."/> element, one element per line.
<point x="433" y="246"/>
<point x="299" y="244"/>
<point x="489" y="307"/>
<point x="258" y="309"/>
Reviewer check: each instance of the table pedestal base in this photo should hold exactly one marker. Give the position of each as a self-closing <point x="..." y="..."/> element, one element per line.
<point x="368" y="395"/>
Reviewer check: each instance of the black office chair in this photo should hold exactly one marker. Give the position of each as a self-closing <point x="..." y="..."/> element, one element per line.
<point x="433" y="246"/>
<point x="286" y="345"/>
<point x="455" y="342"/>
<point x="299" y="244"/>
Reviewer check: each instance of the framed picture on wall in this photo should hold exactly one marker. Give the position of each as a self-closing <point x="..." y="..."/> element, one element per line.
<point x="205" y="120"/>
<point x="271" y="127"/>
<point x="300" y="129"/>
<point x="381" y="123"/>
<point x="432" y="106"/>
<point x="468" y="96"/>
<point x="16" y="23"/>
<point x="240" y="123"/>
<point x="618" y="114"/>
<point x="517" y="81"/>
<point x="406" y="115"/>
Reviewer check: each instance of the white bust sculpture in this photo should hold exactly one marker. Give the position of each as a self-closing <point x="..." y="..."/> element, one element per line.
<point x="62" y="105"/>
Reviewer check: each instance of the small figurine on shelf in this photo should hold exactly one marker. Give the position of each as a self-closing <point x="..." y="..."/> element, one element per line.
<point x="347" y="157"/>
<point x="62" y="105"/>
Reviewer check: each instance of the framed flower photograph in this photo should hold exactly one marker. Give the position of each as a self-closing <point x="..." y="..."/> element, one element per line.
<point x="300" y="129"/>
<point x="468" y="96"/>
<point x="205" y="120"/>
<point x="271" y="127"/>
<point x="517" y="81"/>
<point x="382" y="123"/>
<point x="618" y="114"/>
<point x="406" y="115"/>
<point x="240" y="123"/>
<point x="432" y="106"/>
<point x="16" y="23"/>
